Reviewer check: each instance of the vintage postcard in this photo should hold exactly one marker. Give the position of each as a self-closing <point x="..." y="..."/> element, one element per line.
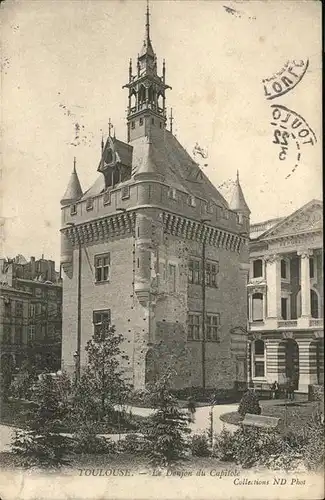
<point x="161" y="261"/>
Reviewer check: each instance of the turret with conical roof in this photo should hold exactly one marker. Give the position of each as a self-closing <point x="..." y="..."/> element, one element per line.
<point x="73" y="192"/>
<point x="238" y="202"/>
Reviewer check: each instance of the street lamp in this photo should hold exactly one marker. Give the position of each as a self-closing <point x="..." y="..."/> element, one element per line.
<point x="202" y="221"/>
<point x="77" y="353"/>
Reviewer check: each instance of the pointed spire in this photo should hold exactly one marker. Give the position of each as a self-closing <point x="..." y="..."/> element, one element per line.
<point x="238" y="202"/>
<point x="147" y="47"/>
<point x="73" y="191"/>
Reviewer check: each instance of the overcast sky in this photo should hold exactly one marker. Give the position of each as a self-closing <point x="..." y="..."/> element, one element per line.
<point x="64" y="62"/>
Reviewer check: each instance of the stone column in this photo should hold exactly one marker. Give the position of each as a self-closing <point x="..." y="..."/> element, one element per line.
<point x="307" y="366"/>
<point x="273" y="280"/>
<point x="305" y="287"/>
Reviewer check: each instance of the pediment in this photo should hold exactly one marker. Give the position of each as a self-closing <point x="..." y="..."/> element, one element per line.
<point x="307" y="219"/>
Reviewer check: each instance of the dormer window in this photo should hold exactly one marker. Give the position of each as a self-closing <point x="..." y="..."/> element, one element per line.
<point x="89" y="204"/>
<point x="108" y="156"/>
<point x="239" y="218"/>
<point x="226" y="213"/>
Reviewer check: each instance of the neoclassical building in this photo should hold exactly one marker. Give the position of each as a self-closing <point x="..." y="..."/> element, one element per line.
<point x="285" y="297"/>
<point x="154" y="249"/>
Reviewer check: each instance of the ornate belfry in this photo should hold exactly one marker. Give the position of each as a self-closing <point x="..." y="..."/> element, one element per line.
<point x="147" y="101"/>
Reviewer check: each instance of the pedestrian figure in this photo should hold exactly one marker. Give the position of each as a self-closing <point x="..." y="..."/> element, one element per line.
<point x="291" y="392"/>
<point x="191" y="408"/>
<point x="275" y="390"/>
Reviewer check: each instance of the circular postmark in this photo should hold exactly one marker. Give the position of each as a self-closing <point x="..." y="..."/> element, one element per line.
<point x="291" y="133"/>
<point x="285" y="80"/>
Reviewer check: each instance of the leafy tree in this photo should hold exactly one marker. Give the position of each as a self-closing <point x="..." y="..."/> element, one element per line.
<point x="102" y="385"/>
<point x="21" y="386"/>
<point x="167" y="428"/>
<point x="41" y="444"/>
<point x="249" y="404"/>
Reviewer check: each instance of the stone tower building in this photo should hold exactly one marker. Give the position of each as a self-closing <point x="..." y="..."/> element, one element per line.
<point x="155" y="249"/>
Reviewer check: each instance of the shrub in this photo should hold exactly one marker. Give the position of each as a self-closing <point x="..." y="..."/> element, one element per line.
<point x="224" y="446"/>
<point x="42" y="444"/>
<point x="166" y="428"/>
<point x="249" y="404"/>
<point x="246" y="445"/>
<point x="134" y="444"/>
<point x="313" y="450"/>
<point x="86" y="441"/>
<point x="199" y="445"/>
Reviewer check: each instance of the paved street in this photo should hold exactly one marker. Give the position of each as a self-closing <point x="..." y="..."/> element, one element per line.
<point x="200" y="424"/>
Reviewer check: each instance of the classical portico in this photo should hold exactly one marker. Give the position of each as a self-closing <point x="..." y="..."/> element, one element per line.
<point x="285" y="296"/>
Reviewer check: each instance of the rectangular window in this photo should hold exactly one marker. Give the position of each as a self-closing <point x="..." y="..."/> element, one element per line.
<point x="172" y="277"/>
<point x="284" y="273"/>
<point x="7" y="308"/>
<point x="107" y="198"/>
<point x="102" y="267"/>
<point x="259" y="369"/>
<point x="18" y="335"/>
<point x="193" y="327"/>
<point x="191" y="201"/>
<point x="172" y="193"/>
<point x="38" y="292"/>
<point x="31" y="333"/>
<point x="141" y="121"/>
<point x="19" y="309"/>
<point x="258" y="268"/>
<point x="31" y="310"/>
<point x="101" y="319"/>
<point x="73" y="209"/>
<point x="311" y="267"/>
<point x="194" y="273"/>
<point x="209" y="208"/>
<point x="284" y="308"/>
<point x="132" y="124"/>
<point x="6" y="339"/>
<point x="211" y="326"/>
<point x="211" y="271"/>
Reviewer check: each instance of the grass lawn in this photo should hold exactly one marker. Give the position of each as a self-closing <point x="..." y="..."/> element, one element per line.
<point x="298" y="413"/>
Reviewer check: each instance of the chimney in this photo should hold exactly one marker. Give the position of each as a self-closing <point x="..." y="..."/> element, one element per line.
<point x="32" y="267"/>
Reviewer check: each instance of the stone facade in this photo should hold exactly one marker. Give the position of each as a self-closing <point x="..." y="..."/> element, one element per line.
<point x="31" y="315"/>
<point x="143" y="237"/>
<point x="286" y="300"/>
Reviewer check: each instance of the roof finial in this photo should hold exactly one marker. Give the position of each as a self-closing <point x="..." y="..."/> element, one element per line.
<point x="147" y="23"/>
<point x="110" y="126"/>
<point x="102" y="143"/>
<point x="171" y="119"/>
<point x="237" y="175"/>
<point x="74" y="164"/>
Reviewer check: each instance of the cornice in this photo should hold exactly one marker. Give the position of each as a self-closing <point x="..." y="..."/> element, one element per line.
<point x="116" y="225"/>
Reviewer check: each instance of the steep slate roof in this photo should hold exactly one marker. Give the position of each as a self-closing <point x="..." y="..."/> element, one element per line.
<point x="238" y="202"/>
<point x="73" y="191"/>
<point x="162" y="155"/>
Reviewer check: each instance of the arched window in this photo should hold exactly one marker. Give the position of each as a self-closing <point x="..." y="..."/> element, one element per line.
<point x="257" y="306"/>
<point x="133" y="100"/>
<point x="257" y="268"/>
<point x="160" y="100"/>
<point x="142" y="94"/>
<point x="313" y="304"/>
